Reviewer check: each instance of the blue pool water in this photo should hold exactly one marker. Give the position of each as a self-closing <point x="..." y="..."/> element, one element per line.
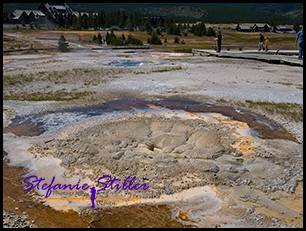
<point x="128" y="63"/>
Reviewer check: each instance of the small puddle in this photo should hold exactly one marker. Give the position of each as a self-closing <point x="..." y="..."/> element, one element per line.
<point x="37" y="124"/>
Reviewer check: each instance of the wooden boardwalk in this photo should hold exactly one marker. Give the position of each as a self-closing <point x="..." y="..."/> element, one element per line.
<point x="288" y="57"/>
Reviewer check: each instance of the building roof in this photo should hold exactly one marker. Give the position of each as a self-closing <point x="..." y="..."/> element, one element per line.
<point x="58" y="7"/>
<point x="38" y="13"/>
<point x="245" y="26"/>
<point x="17" y="13"/>
<point x="250" y="25"/>
<point x="219" y="25"/>
<point x="262" y="25"/>
<point x="285" y="27"/>
<point x="54" y="9"/>
<point x="27" y="11"/>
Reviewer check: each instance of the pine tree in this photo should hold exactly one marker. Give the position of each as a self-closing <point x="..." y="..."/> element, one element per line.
<point x="99" y="38"/>
<point x="101" y="19"/>
<point x="148" y="28"/>
<point x="74" y="22"/>
<point x="123" y="37"/>
<point x="85" y="21"/>
<point x="79" y="22"/>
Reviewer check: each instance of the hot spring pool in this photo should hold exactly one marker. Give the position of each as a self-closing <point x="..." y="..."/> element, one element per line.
<point x="128" y="63"/>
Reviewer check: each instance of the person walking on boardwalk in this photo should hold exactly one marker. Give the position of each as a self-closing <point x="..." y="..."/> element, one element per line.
<point x="261" y="41"/>
<point x="299" y="42"/>
<point x="267" y="43"/>
<point x="219" y="41"/>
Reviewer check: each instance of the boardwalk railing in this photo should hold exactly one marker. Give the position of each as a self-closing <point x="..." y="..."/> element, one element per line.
<point x="228" y="47"/>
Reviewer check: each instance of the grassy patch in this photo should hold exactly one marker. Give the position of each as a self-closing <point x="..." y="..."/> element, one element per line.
<point x="139" y="72"/>
<point x="9" y="80"/>
<point x="168" y="69"/>
<point x="284" y="83"/>
<point x="15" y="43"/>
<point x="47" y="96"/>
<point x="221" y="101"/>
<point x="183" y="50"/>
<point x="230" y="37"/>
<point x="298" y="86"/>
<point x="291" y="111"/>
<point x="288" y="110"/>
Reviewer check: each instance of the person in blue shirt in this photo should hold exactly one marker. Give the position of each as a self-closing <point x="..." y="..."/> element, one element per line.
<point x="299" y="42"/>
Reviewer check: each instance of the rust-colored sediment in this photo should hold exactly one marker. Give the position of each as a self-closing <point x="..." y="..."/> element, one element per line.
<point x="23" y="129"/>
<point x="264" y="131"/>
<point x="44" y="216"/>
<point x="47" y="217"/>
<point x="128" y="216"/>
<point x="140" y="216"/>
<point x="183" y="215"/>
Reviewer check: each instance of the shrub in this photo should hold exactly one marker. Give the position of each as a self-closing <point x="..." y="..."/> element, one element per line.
<point x="117" y="42"/>
<point x="154" y="39"/>
<point x="94" y="38"/>
<point x="99" y="38"/>
<point x="133" y="41"/>
<point x="62" y="44"/>
<point x="176" y="40"/>
<point x="210" y="32"/>
<point x="199" y="29"/>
